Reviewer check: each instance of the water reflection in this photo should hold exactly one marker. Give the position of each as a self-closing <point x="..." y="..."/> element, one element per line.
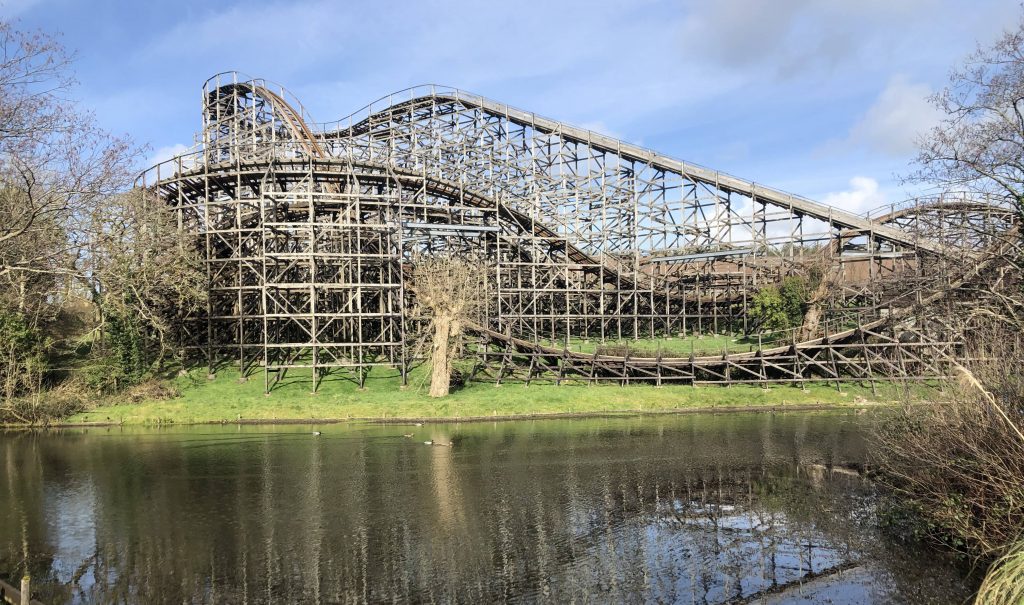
<point x="701" y="509"/>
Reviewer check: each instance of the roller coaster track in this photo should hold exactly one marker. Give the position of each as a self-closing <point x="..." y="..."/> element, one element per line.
<point x="304" y="135"/>
<point x="787" y="362"/>
<point x="300" y="130"/>
<point x="262" y="153"/>
<point x="822" y="212"/>
<point x="851" y="223"/>
<point x="962" y="205"/>
<point x="442" y="188"/>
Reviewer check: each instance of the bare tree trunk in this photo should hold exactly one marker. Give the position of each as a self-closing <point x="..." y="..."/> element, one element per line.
<point x="440" y="357"/>
<point x="449" y="289"/>
<point x="815" y="308"/>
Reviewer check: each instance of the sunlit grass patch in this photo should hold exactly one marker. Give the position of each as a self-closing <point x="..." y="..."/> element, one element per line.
<point x="229" y="398"/>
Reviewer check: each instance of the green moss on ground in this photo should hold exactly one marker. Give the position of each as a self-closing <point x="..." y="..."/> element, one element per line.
<point x="228" y="398"/>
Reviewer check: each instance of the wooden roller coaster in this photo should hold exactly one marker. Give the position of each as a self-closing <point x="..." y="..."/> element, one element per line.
<point x="308" y="229"/>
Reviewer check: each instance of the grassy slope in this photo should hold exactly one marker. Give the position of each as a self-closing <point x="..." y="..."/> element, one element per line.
<point x="225" y="398"/>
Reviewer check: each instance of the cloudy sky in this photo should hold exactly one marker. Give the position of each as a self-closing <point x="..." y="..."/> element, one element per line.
<point x="819" y="97"/>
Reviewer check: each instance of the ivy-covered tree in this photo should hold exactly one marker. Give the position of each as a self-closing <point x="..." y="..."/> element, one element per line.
<point x="147" y="277"/>
<point x="779" y="307"/>
<point x="23" y="362"/>
<point x="794" y="291"/>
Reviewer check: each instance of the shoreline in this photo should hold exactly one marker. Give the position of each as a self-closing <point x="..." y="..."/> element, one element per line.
<point x="232" y="398"/>
<point x="712" y="409"/>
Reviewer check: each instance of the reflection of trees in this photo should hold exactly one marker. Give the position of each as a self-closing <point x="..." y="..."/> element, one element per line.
<point x="707" y="508"/>
<point x="25" y="543"/>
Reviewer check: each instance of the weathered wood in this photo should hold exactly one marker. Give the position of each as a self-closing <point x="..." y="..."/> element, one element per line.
<point x="307" y="235"/>
<point x="14" y="596"/>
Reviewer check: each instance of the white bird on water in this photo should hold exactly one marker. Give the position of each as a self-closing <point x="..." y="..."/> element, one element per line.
<point x="316" y="433"/>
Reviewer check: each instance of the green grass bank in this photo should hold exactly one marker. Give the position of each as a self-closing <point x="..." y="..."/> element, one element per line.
<point x="229" y="398"/>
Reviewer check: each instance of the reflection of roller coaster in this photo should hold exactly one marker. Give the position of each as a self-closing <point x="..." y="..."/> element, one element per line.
<point x="306" y="227"/>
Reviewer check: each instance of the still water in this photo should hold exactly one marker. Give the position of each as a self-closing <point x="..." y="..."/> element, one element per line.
<point x="692" y="509"/>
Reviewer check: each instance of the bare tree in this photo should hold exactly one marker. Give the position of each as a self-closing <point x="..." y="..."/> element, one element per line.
<point x="36" y="262"/>
<point x="452" y="289"/>
<point x="143" y="265"/>
<point x="979" y="145"/>
<point x="56" y="164"/>
<point x="67" y="227"/>
<point x="960" y="463"/>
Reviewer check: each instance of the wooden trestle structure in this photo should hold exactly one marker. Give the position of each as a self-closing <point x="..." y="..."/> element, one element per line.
<point x="307" y="231"/>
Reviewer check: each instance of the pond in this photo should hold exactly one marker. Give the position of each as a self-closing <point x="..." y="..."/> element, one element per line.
<point x="688" y="508"/>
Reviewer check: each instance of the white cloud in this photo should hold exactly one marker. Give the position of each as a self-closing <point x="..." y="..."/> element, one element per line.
<point x="217" y="32"/>
<point x="697" y="80"/>
<point x="788" y="37"/>
<point x="863" y="195"/>
<point x="169" y="152"/>
<point x="351" y="53"/>
<point x="898" y="117"/>
<point x="165" y="153"/>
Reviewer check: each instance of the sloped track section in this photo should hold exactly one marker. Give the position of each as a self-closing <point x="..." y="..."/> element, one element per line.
<point x="406" y="112"/>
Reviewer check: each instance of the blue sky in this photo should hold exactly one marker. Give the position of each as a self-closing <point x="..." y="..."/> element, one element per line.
<point x="819" y="97"/>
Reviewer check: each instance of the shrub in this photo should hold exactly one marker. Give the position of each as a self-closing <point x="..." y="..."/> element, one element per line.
<point x="22" y="355"/>
<point x="1004" y="584"/>
<point x="767" y="310"/>
<point x="779" y="307"/>
<point x="958" y="465"/>
<point x="151" y="390"/>
<point x="65" y="399"/>
<point x="127" y="347"/>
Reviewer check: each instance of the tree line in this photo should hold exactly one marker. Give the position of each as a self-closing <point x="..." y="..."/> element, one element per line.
<point x="92" y="276"/>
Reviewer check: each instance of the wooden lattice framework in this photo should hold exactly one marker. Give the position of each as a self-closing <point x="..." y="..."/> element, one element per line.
<point x="307" y="230"/>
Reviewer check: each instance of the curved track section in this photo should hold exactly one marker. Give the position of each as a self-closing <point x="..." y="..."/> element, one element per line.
<point x="887" y="347"/>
